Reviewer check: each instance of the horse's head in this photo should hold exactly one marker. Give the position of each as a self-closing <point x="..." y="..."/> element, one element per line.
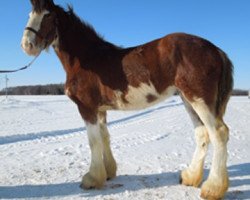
<point x="40" y="31"/>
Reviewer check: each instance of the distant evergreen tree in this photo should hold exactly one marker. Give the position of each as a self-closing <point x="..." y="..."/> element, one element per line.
<point x="51" y="89"/>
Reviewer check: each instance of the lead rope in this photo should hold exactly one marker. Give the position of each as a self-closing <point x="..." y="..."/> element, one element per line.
<point x="21" y="68"/>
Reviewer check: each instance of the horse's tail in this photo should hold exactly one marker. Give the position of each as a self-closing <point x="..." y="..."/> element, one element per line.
<point x="225" y="86"/>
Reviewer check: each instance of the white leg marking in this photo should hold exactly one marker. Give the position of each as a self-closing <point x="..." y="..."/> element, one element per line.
<point x="109" y="161"/>
<point x="192" y="176"/>
<point x="202" y="141"/>
<point x="96" y="145"/>
<point x="217" y="183"/>
<point x="97" y="174"/>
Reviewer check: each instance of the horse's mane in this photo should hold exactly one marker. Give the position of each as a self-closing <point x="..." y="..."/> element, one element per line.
<point x="80" y="28"/>
<point x="75" y="35"/>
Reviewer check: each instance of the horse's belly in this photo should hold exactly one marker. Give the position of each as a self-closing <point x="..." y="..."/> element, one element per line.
<point x="141" y="97"/>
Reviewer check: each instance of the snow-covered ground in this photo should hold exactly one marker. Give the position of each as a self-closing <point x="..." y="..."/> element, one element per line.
<point x="44" y="150"/>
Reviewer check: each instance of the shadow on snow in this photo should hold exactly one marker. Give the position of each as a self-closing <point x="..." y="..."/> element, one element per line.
<point x="239" y="176"/>
<point x="119" y="185"/>
<point x="33" y="136"/>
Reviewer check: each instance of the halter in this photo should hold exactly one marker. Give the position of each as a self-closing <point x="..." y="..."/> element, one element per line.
<point x="39" y="35"/>
<point x="34" y="31"/>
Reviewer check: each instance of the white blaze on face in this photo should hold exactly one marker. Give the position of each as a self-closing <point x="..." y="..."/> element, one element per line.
<point x="28" y="41"/>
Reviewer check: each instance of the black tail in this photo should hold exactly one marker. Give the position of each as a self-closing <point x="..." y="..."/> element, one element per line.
<point x="225" y="86"/>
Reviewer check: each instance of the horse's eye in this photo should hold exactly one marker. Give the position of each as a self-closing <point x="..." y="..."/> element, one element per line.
<point x="47" y="16"/>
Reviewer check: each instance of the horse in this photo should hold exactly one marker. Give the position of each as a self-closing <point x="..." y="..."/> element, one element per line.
<point x="101" y="76"/>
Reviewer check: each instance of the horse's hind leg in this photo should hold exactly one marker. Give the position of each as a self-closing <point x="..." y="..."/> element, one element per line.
<point x="192" y="176"/>
<point x="217" y="183"/>
<point x="109" y="161"/>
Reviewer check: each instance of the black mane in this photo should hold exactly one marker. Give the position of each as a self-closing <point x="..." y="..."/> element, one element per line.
<point x="81" y="25"/>
<point x="77" y="36"/>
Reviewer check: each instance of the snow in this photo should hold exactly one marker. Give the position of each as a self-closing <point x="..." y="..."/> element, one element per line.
<point x="44" y="150"/>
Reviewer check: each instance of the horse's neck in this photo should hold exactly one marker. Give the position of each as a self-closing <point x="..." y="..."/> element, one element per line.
<point x="80" y="53"/>
<point x="78" y="45"/>
<point x="82" y="45"/>
<point x="71" y="54"/>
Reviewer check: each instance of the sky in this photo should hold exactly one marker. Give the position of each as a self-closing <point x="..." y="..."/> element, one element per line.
<point x="128" y="23"/>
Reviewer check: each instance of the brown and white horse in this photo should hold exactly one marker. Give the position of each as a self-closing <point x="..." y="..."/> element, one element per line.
<point x="102" y="76"/>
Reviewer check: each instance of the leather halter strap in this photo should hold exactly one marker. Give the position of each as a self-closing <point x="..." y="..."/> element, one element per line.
<point x="46" y="41"/>
<point x="34" y="31"/>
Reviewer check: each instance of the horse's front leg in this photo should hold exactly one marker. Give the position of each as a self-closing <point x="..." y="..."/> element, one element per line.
<point x="96" y="176"/>
<point x="109" y="161"/>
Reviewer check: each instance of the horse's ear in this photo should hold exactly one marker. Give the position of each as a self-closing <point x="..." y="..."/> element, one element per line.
<point x="38" y="3"/>
<point x="50" y="2"/>
<point x="41" y="4"/>
<point x="33" y="2"/>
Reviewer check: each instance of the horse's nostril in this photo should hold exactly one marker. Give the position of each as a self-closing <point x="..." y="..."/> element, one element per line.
<point x="27" y="45"/>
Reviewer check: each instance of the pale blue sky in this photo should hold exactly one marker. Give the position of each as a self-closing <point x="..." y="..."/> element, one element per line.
<point x="128" y="23"/>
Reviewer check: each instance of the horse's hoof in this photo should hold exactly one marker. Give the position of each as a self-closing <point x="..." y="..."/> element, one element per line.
<point x="91" y="182"/>
<point x="212" y="191"/>
<point x="189" y="179"/>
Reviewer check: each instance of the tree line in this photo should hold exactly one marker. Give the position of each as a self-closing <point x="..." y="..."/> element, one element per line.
<point x="58" y="89"/>
<point x="238" y="92"/>
<point x="50" y="89"/>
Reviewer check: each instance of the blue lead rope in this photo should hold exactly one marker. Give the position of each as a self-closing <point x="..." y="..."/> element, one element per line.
<point x="22" y="68"/>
